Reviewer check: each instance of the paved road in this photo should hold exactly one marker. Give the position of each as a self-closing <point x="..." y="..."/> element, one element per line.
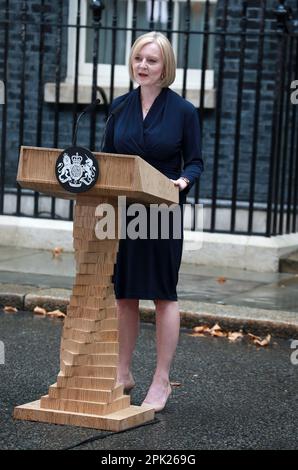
<point x="232" y="395"/>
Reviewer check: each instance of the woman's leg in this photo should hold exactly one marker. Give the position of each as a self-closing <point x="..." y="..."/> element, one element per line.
<point x="128" y="314"/>
<point x="167" y="336"/>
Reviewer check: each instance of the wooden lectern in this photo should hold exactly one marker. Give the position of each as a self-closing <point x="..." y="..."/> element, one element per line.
<point x="86" y="393"/>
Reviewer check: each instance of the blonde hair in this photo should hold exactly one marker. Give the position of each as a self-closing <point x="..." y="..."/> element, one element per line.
<point x="169" y="72"/>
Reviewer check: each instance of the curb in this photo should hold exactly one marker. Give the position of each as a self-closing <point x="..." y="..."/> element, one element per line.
<point x="247" y="325"/>
<point x="27" y="298"/>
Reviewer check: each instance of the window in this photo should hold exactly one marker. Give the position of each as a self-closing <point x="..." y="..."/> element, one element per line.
<point x="123" y="44"/>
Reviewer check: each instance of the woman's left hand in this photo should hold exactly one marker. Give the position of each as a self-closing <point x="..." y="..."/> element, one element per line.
<point x="181" y="183"/>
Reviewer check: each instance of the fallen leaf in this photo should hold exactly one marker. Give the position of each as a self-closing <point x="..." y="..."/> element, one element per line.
<point x="221" y="280"/>
<point x="175" y="384"/>
<point x="253" y="337"/>
<point x="233" y="336"/>
<point x="200" y="329"/>
<point x="215" y="327"/>
<point x="56" y="314"/>
<point x="218" y="333"/>
<point x="10" y="309"/>
<point x="264" y="342"/>
<point x="56" y="252"/>
<point x="40" y="311"/>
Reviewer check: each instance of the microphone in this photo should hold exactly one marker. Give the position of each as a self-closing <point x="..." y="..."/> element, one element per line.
<point x="88" y="108"/>
<point x="112" y="113"/>
<point x="76" y="168"/>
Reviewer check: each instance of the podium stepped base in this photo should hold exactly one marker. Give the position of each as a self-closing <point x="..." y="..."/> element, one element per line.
<point x="80" y="406"/>
<point x="100" y="383"/>
<point x="95" y="395"/>
<point x="117" y="421"/>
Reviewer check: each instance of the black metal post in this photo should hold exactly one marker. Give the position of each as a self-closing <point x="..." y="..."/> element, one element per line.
<point x="40" y="93"/>
<point x="4" y="111"/>
<point x="218" y="114"/>
<point x="97" y="7"/>
<point x="23" y="35"/>
<point x="256" y="118"/>
<point x="206" y="36"/>
<point x="114" y="45"/>
<point x="238" y="116"/>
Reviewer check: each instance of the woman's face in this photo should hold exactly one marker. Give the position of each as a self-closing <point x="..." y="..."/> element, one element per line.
<point x="147" y="65"/>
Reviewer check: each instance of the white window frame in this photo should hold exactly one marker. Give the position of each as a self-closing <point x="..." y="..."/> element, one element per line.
<point x="121" y="74"/>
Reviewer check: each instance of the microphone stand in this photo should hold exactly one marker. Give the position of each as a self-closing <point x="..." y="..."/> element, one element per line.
<point x="88" y="108"/>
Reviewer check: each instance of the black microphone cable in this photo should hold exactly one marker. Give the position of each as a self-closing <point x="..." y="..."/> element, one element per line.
<point x="88" y="108"/>
<point x="105" y="435"/>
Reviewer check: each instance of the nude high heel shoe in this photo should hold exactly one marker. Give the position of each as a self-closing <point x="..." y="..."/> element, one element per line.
<point x="159" y="406"/>
<point x="127" y="386"/>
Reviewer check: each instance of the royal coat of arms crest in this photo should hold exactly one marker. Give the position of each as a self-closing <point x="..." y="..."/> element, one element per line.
<point x="76" y="169"/>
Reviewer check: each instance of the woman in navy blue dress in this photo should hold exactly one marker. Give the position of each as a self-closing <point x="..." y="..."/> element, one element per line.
<point x="157" y="124"/>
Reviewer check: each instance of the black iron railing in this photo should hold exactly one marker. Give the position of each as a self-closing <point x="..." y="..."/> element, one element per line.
<point x="247" y="56"/>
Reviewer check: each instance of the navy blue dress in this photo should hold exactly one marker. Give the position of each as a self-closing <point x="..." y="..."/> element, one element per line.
<point x="169" y="140"/>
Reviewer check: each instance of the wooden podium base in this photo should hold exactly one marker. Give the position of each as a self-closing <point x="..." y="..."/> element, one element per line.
<point x="87" y="393"/>
<point x="117" y="421"/>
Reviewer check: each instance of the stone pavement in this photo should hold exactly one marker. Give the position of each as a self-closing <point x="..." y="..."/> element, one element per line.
<point x="256" y="302"/>
<point x="228" y="395"/>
